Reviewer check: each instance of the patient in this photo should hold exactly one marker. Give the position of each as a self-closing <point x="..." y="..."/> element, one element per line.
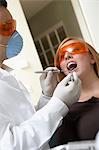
<point x="82" y="121"/>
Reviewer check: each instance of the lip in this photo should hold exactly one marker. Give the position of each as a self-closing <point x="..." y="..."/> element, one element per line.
<point x="73" y="68"/>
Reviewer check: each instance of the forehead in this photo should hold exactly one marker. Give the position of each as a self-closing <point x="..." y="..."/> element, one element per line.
<point x="4" y="15"/>
<point x="70" y="42"/>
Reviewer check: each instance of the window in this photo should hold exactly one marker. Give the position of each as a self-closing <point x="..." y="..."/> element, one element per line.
<point x="47" y="44"/>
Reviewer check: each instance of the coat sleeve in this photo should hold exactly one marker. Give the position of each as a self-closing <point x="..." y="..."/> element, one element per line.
<point x="34" y="133"/>
<point x="42" y="101"/>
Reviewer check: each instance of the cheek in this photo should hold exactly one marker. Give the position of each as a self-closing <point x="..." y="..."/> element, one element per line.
<point x="63" y="65"/>
<point x="83" y="61"/>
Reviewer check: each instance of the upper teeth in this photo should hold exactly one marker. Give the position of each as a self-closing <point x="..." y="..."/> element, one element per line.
<point x="70" y="63"/>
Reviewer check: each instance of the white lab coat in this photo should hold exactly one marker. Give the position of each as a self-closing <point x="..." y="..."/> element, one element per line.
<point x="97" y="141"/>
<point x="20" y="127"/>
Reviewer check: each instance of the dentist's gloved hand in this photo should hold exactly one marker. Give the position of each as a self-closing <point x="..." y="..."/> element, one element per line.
<point x="68" y="90"/>
<point x="48" y="81"/>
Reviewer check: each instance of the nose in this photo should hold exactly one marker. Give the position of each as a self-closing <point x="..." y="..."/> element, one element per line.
<point x="68" y="55"/>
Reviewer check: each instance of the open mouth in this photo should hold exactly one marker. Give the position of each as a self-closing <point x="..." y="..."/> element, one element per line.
<point x="71" y="65"/>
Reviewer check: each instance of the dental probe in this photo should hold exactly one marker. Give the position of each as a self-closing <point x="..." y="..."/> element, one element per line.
<point x="56" y="71"/>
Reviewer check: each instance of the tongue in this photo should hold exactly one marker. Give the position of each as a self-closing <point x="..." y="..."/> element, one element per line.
<point x="72" y="66"/>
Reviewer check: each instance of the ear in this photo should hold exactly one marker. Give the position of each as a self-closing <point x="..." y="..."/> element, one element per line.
<point x="92" y="60"/>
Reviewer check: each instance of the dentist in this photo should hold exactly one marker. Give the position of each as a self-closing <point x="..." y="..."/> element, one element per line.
<point x="21" y="126"/>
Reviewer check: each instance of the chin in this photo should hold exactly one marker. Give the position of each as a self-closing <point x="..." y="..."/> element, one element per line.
<point x="71" y="71"/>
<point x="66" y="72"/>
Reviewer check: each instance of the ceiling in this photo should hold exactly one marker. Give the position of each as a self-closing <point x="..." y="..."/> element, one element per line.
<point x="31" y="7"/>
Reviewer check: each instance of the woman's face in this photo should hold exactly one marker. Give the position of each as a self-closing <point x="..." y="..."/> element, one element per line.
<point x="81" y="62"/>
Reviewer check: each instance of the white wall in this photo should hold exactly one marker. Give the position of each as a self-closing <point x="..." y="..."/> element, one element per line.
<point x="65" y="14"/>
<point x="87" y="12"/>
<point x="91" y="13"/>
<point x="27" y="61"/>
